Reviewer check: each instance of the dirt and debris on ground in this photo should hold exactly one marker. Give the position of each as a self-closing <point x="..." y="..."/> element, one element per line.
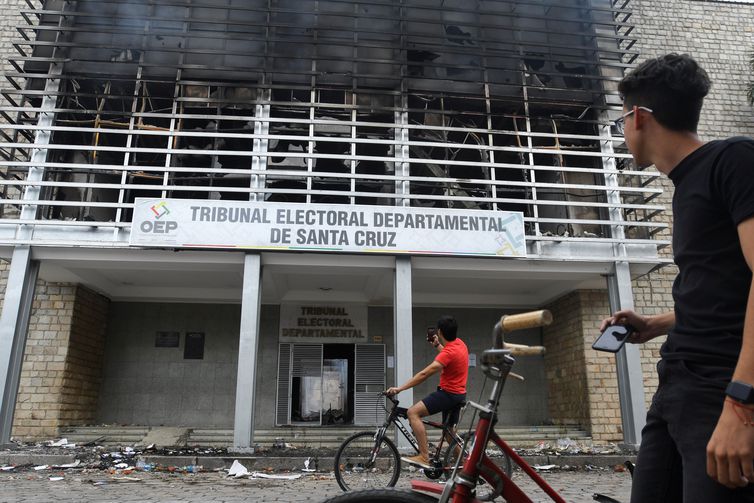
<point x="568" y="446"/>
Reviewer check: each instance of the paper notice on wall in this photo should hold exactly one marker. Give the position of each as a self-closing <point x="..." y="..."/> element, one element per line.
<point x="390" y="362"/>
<point x="472" y="359"/>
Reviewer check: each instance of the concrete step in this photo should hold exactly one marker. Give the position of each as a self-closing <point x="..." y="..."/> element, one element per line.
<point x="524" y="436"/>
<point x="104" y="435"/>
<point x="328" y="437"/>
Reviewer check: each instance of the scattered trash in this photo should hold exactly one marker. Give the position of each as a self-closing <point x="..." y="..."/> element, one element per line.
<point x="127" y="479"/>
<point x="619" y="468"/>
<point x="145" y="467"/>
<point x="541" y="468"/>
<point x="7" y="468"/>
<point x="41" y="467"/>
<point x="568" y="446"/>
<point x="309" y="463"/>
<point x="260" y="475"/>
<point x="94" y="442"/>
<point x="69" y="465"/>
<point x="601" y="498"/>
<point x="629" y="466"/>
<point x="279" y="443"/>
<point x="55" y="479"/>
<point x="237" y="470"/>
<point x="58" y="443"/>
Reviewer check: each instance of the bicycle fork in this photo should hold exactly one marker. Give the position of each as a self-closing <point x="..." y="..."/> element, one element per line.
<point x="379" y="434"/>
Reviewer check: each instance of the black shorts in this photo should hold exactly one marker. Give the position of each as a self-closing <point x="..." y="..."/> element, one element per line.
<point x="442" y="401"/>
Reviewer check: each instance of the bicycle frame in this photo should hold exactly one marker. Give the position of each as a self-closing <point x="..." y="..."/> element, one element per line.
<point x="396" y="413"/>
<point x="465" y="480"/>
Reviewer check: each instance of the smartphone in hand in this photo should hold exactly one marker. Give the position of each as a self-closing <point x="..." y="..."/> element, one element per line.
<point x="613" y="338"/>
<point x="431" y="332"/>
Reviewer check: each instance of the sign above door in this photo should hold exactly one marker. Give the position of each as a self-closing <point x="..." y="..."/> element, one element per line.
<point x="323" y="323"/>
<point x="185" y="223"/>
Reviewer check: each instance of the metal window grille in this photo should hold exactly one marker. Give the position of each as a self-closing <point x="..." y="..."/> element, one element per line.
<point x="496" y="105"/>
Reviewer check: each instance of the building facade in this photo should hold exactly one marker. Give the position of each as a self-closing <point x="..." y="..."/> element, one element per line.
<point x="225" y="120"/>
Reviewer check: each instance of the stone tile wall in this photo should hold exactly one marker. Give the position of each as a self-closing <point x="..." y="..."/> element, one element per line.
<point x="62" y="368"/>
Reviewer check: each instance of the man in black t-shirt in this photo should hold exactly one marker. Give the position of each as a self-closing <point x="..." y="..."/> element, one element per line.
<point x="698" y="443"/>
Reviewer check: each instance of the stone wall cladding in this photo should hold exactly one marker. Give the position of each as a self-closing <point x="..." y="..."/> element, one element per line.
<point x="583" y="385"/>
<point x="720" y="36"/>
<point x="82" y="378"/>
<point x="600" y="368"/>
<point x="38" y="402"/>
<point x="62" y="367"/>
<point x="9" y="20"/>
<point x="565" y="363"/>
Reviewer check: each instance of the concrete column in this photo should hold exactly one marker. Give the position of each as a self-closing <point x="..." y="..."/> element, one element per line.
<point x="14" y="324"/>
<point x="628" y="361"/>
<point x="248" y="349"/>
<point x="404" y="353"/>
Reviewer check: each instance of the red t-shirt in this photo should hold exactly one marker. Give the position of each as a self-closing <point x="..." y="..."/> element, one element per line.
<point x="454" y="358"/>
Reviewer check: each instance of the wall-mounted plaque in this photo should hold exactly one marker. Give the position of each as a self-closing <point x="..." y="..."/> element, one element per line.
<point x="163" y="339"/>
<point x="194" y="347"/>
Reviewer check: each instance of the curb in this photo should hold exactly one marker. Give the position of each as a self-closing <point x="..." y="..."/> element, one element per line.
<point x="296" y="463"/>
<point x="293" y="463"/>
<point x="36" y="459"/>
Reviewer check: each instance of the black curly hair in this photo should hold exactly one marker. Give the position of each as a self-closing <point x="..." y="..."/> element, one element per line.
<point x="449" y="327"/>
<point x="673" y="86"/>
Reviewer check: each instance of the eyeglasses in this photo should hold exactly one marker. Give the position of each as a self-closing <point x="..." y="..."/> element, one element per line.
<point x="620" y="122"/>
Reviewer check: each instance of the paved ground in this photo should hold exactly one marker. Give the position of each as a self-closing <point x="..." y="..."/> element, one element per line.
<point x="99" y="486"/>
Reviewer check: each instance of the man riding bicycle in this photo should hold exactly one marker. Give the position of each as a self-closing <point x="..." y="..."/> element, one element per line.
<point x="453" y="364"/>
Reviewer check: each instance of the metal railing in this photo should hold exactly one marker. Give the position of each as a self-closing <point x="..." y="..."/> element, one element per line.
<point x="478" y="105"/>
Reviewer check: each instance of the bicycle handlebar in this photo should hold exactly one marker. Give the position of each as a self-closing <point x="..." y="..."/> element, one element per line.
<point x="521" y="321"/>
<point x="512" y="322"/>
<point x="389" y="397"/>
<point x="523" y="350"/>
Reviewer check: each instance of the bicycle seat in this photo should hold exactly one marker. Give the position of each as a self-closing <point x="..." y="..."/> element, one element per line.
<point x="497" y="357"/>
<point x="497" y="363"/>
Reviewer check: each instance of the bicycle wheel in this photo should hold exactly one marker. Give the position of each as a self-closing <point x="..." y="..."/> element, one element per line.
<point x="382" y="496"/>
<point x="356" y="467"/>
<point x="490" y="485"/>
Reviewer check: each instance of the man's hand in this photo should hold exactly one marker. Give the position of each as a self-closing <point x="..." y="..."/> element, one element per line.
<point x="645" y="327"/>
<point x="393" y="391"/>
<point x="730" y="451"/>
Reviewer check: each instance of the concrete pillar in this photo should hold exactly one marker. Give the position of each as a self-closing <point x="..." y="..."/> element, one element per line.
<point x="404" y="353"/>
<point x="248" y="349"/>
<point x="628" y="361"/>
<point x="14" y="324"/>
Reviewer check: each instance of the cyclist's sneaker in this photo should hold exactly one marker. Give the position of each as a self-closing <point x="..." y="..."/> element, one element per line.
<point x="417" y="460"/>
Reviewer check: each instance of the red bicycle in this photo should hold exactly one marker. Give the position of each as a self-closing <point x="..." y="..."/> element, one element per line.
<point x="480" y="478"/>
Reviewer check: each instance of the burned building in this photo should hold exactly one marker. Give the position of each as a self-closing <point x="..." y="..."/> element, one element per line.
<point x="128" y="122"/>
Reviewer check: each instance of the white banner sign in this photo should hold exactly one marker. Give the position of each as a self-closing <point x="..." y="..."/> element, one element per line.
<point x="316" y="323"/>
<point x="185" y="223"/>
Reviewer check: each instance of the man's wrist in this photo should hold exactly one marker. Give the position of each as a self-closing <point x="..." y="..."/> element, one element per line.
<point x="740" y="391"/>
<point x="735" y="403"/>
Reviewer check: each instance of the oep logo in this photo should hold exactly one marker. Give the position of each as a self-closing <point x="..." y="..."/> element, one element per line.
<point x="159" y="225"/>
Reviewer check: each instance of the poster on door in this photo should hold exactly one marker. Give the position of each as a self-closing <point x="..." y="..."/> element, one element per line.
<point x="323" y="323"/>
